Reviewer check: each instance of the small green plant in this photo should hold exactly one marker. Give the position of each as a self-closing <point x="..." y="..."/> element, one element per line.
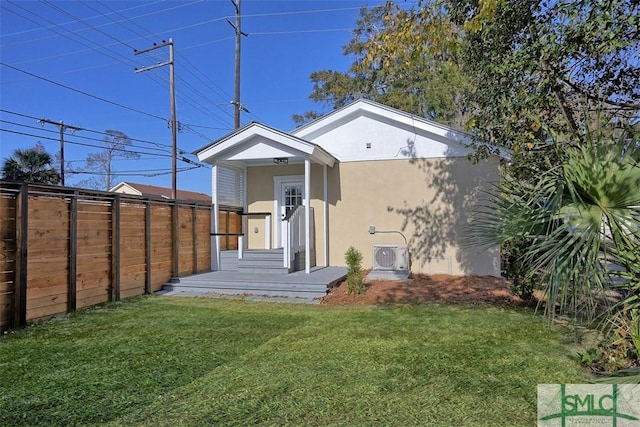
<point x="516" y="268"/>
<point x="355" y="284"/>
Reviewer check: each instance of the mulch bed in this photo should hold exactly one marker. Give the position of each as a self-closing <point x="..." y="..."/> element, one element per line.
<point x="438" y="288"/>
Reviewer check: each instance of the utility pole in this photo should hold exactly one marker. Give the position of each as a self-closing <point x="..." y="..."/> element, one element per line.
<point x="174" y="149"/>
<point x="236" y="102"/>
<point x="174" y="125"/>
<point x="62" y="128"/>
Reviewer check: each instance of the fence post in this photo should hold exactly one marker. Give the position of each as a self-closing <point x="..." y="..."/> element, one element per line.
<point x="176" y="239"/>
<point x="115" y="249"/>
<point x="195" y="238"/>
<point x="22" y="234"/>
<point x="73" y="252"/>
<point x="147" y="247"/>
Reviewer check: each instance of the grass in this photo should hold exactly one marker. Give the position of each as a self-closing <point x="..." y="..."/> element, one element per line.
<point x="190" y="361"/>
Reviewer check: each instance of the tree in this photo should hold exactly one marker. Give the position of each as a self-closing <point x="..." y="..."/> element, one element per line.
<point x="544" y="70"/>
<point x="410" y="67"/>
<point x="31" y="165"/>
<point x="556" y="82"/>
<point x="101" y="163"/>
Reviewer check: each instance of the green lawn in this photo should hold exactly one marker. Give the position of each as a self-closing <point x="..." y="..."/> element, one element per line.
<point x="195" y="361"/>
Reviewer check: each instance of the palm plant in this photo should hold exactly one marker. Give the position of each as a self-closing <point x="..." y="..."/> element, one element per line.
<point x="581" y="219"/>
<point x="30" y="165"/>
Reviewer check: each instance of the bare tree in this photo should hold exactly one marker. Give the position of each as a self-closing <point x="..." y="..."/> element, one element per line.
<point x="100" y="164"/>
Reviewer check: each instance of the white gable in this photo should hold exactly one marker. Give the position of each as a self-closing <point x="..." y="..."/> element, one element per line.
<point x="365" y="138"/>
<point x="259" y="148"/>
<point x="365" y="130"/>
<point x="125" y="188"/>
<point x="259" y="142"/>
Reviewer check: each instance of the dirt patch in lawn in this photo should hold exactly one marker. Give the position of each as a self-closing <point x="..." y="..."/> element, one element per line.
<point x="439" y="288"/>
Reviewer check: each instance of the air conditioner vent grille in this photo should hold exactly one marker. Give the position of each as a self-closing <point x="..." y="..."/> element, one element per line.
<point x="390" y="257"/>
<point x="386" y="257"/>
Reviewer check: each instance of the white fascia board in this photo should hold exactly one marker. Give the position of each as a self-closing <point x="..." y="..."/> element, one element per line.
<point x="321" y="156"/>
<point x="258" y="141"/>
<point x="378" y="112"/>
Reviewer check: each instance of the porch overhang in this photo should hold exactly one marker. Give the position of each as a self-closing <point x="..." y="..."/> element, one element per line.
<point x="256" y="143"/>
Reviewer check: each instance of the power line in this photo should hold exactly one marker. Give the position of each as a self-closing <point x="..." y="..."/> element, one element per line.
<point x="64" y="12"/>
<point x="161" y="147"/>
<point x="279" y="33"/>
<point x="83" y="144"/>
<point x="82" y="92"/>
<point x="120" y="23"/>
<point x="164" y="152"/>
<point x="98" y="16"/>
<point x="136" y="172"/>
<point x="26" y="116"/>
<point x="216" y="88"/>
<point x="101" y="49"/>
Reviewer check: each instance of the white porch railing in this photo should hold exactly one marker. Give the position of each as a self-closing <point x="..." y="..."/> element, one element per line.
<point x="294" y="234"/>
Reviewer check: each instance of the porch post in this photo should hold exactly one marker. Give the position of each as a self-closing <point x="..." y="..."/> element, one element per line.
<point x="307" y="215"/>
<point x="215" y="241"/>
<point x="325" y="206"/>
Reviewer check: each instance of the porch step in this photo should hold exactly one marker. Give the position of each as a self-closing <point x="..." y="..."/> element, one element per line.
<point x="298" y="285"/>
<point x="309" y="291"/>
<point x="262" y="261"/>
<point x="229" y="260"/>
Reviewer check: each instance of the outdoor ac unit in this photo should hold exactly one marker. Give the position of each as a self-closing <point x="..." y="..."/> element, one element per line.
<point x="390" y="257"/>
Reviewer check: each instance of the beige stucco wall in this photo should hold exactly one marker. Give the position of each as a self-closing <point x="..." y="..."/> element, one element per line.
<point x="260" y="194"/>
<point x="428" y="200"/>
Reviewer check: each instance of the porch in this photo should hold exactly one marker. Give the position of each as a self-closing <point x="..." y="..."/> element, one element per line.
<point x="300" y="286"/>
<point x="267" y="176"/>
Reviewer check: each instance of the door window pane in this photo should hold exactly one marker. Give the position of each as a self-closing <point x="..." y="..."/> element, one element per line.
<point x="292" y="196"/>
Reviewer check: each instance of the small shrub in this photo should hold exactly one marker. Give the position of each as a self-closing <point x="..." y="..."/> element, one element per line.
<point x="516" y="269"/>
<point x="355" y="284"/>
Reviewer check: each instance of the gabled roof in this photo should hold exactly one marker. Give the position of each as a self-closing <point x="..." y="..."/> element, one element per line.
<point x="365" y="107"/>
<point x="256" y="141"/>
<point x="146" y="190"/>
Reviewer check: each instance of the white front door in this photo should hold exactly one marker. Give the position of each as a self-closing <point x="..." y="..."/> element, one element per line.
<point x="290" y="194"/>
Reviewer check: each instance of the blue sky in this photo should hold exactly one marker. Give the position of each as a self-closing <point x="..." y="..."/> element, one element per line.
<point x="88" y="47"/>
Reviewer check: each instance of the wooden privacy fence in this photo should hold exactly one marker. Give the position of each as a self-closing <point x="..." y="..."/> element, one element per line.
<point x="63" y="249"/>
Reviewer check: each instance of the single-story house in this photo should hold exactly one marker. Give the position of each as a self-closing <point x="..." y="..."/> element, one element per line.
<point x="146" y="190"/>
<point x="364" y="175"/>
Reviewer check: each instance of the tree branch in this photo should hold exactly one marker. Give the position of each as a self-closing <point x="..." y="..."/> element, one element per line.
<point x="578" y="88"/>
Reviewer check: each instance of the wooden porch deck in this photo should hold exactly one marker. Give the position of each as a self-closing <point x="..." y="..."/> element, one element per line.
<point x="298" y="285"/>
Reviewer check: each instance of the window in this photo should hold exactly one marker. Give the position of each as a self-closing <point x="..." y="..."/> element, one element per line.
<point x="231" y="186"/>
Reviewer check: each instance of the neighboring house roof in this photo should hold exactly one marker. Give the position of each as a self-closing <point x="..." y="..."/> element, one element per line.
<point x="256" y="141"/>
<point x="146" y="190"/>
